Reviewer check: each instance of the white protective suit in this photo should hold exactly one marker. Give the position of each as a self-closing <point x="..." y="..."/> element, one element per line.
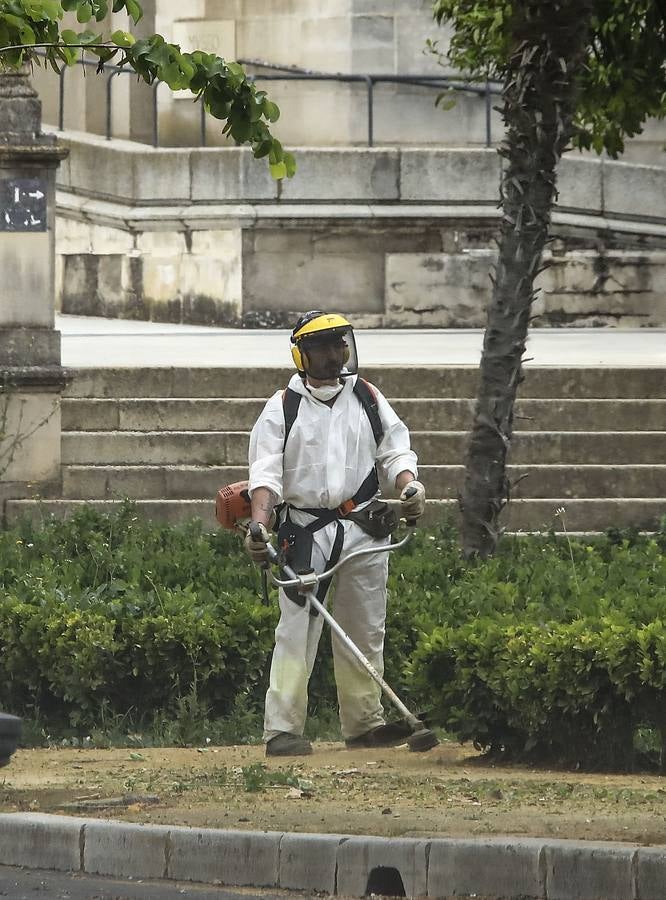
<point x="329" y="452"/>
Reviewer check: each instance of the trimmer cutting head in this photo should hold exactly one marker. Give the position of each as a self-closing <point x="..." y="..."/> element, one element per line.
<point x="421" y="740"/>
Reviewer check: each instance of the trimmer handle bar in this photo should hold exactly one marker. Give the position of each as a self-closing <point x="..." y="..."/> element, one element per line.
<point x="310" y="580"/>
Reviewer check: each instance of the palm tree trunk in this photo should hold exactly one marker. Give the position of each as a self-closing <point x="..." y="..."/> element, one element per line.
<point x="539" y="104"/>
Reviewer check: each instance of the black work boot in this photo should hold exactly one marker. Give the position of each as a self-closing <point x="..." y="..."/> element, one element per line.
<point x="388" y="735"/>
<point x="285" y="744"/>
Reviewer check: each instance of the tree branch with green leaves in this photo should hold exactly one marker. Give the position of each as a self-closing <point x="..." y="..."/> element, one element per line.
<point x="620" y="83"/>
<point x="27" y="26"/>
<point x="585" y="73"/>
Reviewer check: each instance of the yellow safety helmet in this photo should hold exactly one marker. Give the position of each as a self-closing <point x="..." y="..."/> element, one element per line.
<point x="317" y="325"/>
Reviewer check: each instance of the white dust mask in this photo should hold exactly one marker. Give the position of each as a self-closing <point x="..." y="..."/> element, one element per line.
<point x="326" y="392"/>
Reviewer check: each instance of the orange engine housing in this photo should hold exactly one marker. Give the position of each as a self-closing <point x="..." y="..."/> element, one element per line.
<point x="232" y="505"/>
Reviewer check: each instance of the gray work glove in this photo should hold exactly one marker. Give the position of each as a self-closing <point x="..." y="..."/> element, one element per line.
<point x="256" y="549"/>
<point x="412" y="500"/>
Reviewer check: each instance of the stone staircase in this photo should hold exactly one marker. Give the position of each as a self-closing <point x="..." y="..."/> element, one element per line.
<point x="591" y="440"/>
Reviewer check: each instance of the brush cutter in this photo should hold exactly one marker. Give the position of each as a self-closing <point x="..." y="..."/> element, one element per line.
<point x="234" y="512"/>
<point x="422" y="738"/>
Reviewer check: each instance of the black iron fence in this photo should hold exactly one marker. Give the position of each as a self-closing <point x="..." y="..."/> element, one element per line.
<point x="271" y="72"/>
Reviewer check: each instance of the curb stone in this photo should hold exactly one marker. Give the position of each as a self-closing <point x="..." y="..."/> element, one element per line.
<point x="243" y="858"/>
<point x="505" y="867"/>
<point x="347" y="865"/>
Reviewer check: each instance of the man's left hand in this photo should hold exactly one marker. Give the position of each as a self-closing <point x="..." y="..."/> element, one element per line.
<point x="412" y="500"/>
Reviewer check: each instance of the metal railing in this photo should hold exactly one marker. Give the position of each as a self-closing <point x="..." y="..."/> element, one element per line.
<point x="284" y="73"/>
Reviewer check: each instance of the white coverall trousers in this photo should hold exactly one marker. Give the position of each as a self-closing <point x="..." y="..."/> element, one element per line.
<point x="359" y="605"/>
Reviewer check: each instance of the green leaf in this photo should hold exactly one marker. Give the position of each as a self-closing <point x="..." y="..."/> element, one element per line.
<point x="290" y="163"/>
<point x="236" y="69"/>
<point x="134" y="10"/>
<point x="276" y="154"/>
<point x="271" y="110"/>
<point x="89" y="37"/>
<point x="263" y="149"/>
<point x="123" y="39"/>
<point x="84" y="12"/>
<point x="279" y="170"/>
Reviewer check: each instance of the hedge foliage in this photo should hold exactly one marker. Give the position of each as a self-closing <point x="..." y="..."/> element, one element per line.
<point x="105" y="615"/>
<point x="553" y="649"/>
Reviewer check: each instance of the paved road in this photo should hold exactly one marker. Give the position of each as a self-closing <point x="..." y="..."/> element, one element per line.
<point x="92" y="342"/>
<point x="33" y="884"/>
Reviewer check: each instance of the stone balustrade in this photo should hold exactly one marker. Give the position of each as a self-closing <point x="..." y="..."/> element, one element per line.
<point x="394" y="236"/>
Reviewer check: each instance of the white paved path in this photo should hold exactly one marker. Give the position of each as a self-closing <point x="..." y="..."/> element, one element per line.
<point x="94" y="342"/>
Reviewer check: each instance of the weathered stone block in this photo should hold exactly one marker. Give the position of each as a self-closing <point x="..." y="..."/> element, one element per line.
<point x="161" y="176"/>
<point x="27" y="297"/>
<point x="161" y="278"/>
<point x="257" y="183"/>
<point x="73" y="236"/>
<point x="30" y="445"/>
<point x="100" y="170"/>
<point x="486" y="867"/>
<point x="579" y="184"/>
<point x="596" y="288"/>
<point x="116" y="482"/>
<point x="223" y="243"/>
<point x="125" y="850"/>
<point x="29" y="346"/>
<point x="576" y="871"/>
<point x="308" y="862"/>
<point x="452" y="290"/>
<point x="227" y="857"/>
<point x="634" y="191"/>
<point x="362" y="858"/>
<point x="373" y="43"/>
<point x="41" y="841"/>
<point x="651" y="875"/>
<point x="216" y="175"/>
<point x="452" y="176"/>
<point x="293" y="276"/>
<point x="215" y="281"/>
<point x="353" y="175"/>
<point x="161" y="243"/>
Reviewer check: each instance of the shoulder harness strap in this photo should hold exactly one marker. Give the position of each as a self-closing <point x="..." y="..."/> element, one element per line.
<point x="366" y="394"/>
<point x="290" y="403"/>
<point x="363" y="390"/>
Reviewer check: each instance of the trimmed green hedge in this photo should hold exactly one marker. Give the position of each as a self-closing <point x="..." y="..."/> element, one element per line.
<point x="105" y="615"/>
<point x="552" y="650"/>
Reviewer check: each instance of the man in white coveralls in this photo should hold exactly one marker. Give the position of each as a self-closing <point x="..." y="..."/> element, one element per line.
<point x="315" y="453"/>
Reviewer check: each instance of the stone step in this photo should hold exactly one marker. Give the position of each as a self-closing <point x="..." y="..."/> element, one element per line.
<point x="205" y="414"/>
<point x="230" y="448"/>
<point x="522" y="515"/>
<point x="442" y="482"/>
<point x="394" y="381"/>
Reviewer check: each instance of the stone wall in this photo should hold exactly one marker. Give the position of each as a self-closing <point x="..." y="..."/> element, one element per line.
<point x="353" y="37"/>
<point x="399" y="237"/>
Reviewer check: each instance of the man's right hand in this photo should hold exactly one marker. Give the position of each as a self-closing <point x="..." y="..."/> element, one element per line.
<point x="256" y="548"/>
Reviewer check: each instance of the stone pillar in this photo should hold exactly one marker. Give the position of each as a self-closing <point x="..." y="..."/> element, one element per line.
<point x="31" y="376"/>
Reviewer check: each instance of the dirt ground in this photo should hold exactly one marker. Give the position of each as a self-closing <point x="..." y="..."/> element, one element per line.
<point x="448" y="791"/>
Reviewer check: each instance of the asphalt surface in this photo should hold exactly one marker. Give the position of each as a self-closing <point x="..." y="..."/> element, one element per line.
<point x="35" y="884"/>
<point x="89" y="342"/>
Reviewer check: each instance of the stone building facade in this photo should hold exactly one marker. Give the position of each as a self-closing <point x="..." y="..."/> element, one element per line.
<point x="352" y="37"/>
